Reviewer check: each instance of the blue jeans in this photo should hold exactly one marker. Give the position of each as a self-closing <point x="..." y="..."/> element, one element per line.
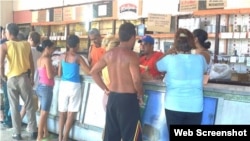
<point x="7" y="118"/>
<point x="45" y="95"/>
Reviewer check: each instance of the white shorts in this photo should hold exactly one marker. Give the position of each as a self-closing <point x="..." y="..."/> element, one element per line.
<point x="69" y="96"/>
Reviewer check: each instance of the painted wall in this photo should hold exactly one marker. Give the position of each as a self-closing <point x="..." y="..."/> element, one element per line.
<point x="19" y="5"/>
<point x="231" y="4"/>
<point x="41" y="4"/>
<point x="155" y="6"/>
<point x="6" y="9"/>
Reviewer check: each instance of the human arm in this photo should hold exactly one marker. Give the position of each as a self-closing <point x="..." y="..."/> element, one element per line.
<point x="59" y="71"/>
<point x="32" y="68"/>
<point x="49" y="68"/>
<point x="161" y="64"/>
<point x="95" y="73"/>
<point x="206" y="56"/>
<point x="136" y="77"/>
<point x="83" y="65"/>
<point x="89" y="55"/>
<point x="3" y="52"/>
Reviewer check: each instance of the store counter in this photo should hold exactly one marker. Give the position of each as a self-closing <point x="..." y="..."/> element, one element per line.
<point x="223" y="104"/>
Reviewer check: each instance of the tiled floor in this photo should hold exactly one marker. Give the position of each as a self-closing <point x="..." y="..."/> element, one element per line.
<point x="6" y="135"/>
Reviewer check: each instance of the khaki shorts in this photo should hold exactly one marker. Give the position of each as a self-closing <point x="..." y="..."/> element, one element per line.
<point x="69" y="96"/>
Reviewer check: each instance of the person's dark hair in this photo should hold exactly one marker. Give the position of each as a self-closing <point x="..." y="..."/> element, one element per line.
<point x="20" y="36"/>
<point x="13" y="29"/>
<point x="202" y="36"/>
<point x="94" y="31"/>
<point x="184" y="40"/>
<point x="126" y="31"/>
<point x="1" y="29"/>
<point x="72" y="41"/>
<point x="35" y="36"/>
<point x="45" y="43"/>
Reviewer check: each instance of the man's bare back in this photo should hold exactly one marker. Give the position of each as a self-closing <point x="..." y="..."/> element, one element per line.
<point x="123" y="65"/>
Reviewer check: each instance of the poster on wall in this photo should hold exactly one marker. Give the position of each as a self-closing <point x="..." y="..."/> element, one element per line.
<point x="210" y="4"/>
<point x="104" y="9"/>
<point x="69" y="13"/>
<point x="159" y="7"/>
<point x="34" y="18"/>
<point x="127" y="9"/>
<point x="58" y="14"/>
<point x="188" y="5"/>
<point x="159" y="22"/>
<point x="95" y="114"/>
<point x="42" y="16"/>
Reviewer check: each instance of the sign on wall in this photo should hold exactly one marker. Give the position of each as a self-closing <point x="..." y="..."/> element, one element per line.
<point x="103" y="9"/>
<point x="42" y="16"/>
<point x="159" y="22"/>
<point x="58" y="14"/>
<point x="127" y="9"/>
<point x="79" y="12"/>
<point x="188" y="5"/>
<point x="69" y="13"/>
<point x="160" y="6"/>
<point x="215" y="4"/>
<point x="34" y="16"/>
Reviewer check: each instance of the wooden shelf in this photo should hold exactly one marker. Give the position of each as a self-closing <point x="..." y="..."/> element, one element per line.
<point x="104" y="19"/>
<point x="245" y="11"/>
<point x="167" y="35"/>
<point x="55" y="23"/>
<point x="221" y="12"/>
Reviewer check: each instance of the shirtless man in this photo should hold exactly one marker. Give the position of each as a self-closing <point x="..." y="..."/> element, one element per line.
<point x="125" y="91"/>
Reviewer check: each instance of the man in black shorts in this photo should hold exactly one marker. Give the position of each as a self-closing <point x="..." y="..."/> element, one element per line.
<point x="126" y="92"/>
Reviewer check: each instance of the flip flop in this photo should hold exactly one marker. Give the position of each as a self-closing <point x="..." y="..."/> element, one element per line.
<point x="49" y="137"/>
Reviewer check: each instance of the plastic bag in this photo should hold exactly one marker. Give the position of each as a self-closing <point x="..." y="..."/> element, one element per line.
<point x="220" y="71"/>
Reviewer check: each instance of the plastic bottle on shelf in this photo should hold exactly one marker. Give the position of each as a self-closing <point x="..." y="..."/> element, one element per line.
<point x="235" y="52"/>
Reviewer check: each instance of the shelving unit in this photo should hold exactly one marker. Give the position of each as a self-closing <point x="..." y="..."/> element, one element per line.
<point x="111" y="25"/>
<point x="231" y="36"/>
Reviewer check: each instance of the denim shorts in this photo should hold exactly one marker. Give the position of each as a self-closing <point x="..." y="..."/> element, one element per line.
<point x="45" y="95"/>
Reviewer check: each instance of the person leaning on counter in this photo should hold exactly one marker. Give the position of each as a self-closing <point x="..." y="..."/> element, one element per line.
<point x="148" y="59"/>
<point x="95" y="50"/>
<point x="184" y="81"/>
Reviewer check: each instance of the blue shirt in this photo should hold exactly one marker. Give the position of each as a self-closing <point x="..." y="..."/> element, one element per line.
<point x="70" y="72"/>
<point x="184" y="81"/>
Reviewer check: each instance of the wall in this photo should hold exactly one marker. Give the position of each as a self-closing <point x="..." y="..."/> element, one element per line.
<point x="19" y="5"/>
<point x="41" y="4"/>
<point x="156" y="6"/>
<point x="6" y="9"/>
<point x="237" y="4"/>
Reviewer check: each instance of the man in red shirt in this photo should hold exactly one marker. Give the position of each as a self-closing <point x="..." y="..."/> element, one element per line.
<point x="96" y="51"/>
<point x="148" y="59"/>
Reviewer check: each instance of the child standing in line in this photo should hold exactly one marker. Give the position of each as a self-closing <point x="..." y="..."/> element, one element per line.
<point x="70" y="86"/>
<point x="45" y="86"/>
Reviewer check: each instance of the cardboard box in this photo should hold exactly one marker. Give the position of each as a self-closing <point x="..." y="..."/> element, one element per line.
<point x="240" y="77"/>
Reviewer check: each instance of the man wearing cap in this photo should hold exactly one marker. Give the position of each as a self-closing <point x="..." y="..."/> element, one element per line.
<point x="148" y="59"/>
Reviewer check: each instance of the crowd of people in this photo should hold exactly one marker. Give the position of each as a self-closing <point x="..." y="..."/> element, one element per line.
<point x="27" y="71"/>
